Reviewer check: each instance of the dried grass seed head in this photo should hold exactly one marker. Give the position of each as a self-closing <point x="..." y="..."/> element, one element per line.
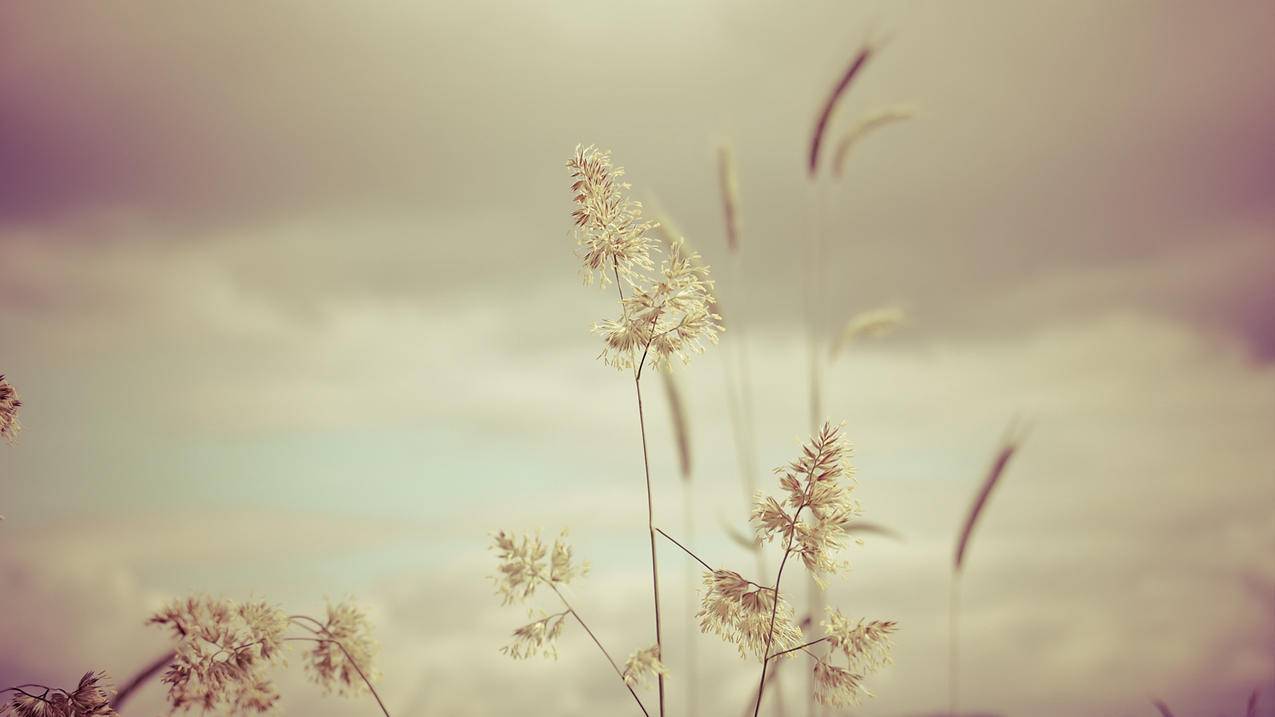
<point x="343" y="649"/>
<point x="540" y="636"/>
<point x="643" y="666"/>
<point x="524" y="562"/>
<point x="836" y="686"/>
<point x="223" y="651"/>
<point x="664" y="317"/>
<point x="865" y="645"/>
<point x="90" y="698"/>
<point x="739" y="612"/>
<point x="611" y="234"/>
<point x="818" y="501"/>
<point x="669" y="312"/>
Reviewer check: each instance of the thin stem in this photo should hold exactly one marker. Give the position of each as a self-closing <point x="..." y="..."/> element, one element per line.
<point x="650" y="522"/>
<point x="799" y="647"/>
<point x="140" y="678"/>
<point x="685" y="549"/>
<point x="351" y="660"/>
<point x="708" y="567"/>
<point x="650" y="519"/>
<point x="40" y="697"/>
<point x="307" y="618"/>
<point x="615" y="666"/>
<point x="774" y="610"/>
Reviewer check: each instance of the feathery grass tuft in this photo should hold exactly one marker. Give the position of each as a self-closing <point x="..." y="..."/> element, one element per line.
<point x="226" y="650"/>
<point x="90" y="698"/>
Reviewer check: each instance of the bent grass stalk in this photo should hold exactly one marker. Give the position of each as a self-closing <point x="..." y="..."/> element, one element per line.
<point x="142" y="677"/>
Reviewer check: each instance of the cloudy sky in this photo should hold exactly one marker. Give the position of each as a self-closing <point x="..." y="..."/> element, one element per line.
<point x="289" y="294"/>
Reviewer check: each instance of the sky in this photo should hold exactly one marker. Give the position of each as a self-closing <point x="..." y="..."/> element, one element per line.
<point x="289" y="294"/>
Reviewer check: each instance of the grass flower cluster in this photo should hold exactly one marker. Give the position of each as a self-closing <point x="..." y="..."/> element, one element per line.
<point x="90" y="698"/>
<point x="525" y="564"/>
<point x="864" y="647"/>
<point x="739" y="611"/>
<point x="667" y="313"/>
<point x="226" y="651"/>
<point x="819" y="484"/>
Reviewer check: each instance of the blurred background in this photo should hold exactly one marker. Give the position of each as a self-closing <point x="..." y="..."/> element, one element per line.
<point x="288" y="292"/>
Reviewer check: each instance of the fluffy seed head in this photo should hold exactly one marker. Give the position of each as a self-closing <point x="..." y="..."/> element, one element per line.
<point x="524" y="562"/>
<point x="223" y="651"/>
<point x="90" y="698"/>
<point x="344" y="648"/>
<point x="865" y="645"/>
<point x="739" y="612"/>
<point x="669" y="312"/>
<point x="611" y="234"/>
<point x="540" y="636"/>
<point x="818" y="501"/>
<point x="642" y="666"/>
<point x="668" y="316"/>
<point x="837" y="686"/>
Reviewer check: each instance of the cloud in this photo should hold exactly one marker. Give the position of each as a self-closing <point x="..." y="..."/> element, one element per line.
<point x="1132" y="506"/>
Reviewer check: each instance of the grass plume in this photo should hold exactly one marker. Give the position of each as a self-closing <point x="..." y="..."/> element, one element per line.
<point x="1009" y="446"/>
<point x="864" y="126"/>
<point x="91" y="697"/>
<point x="825" y="113"/>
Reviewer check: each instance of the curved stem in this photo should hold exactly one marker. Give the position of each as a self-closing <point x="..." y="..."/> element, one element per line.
<point x="614" y="665"/>
<point x="307" y="618"/>
<point x="352" y="661"/>
<point x="140" y="678"/>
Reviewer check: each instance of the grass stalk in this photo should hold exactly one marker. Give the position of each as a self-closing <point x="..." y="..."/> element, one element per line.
<point x="614" y="665"/>
<point x="144" y="675"/>
<point x="650" y="526"/>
